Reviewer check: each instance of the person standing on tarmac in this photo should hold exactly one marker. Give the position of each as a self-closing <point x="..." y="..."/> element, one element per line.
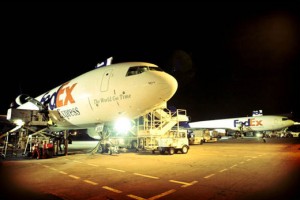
<point x="264" y="138"/>
<point x="37" y="150"/>
<point x="61" y="142"/>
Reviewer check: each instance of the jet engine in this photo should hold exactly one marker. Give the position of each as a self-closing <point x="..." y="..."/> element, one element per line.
<point x="24" y="98"/>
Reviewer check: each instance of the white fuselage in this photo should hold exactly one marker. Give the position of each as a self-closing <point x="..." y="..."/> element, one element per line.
<point x="255" y="123"/>
<point x="102" y="95"/>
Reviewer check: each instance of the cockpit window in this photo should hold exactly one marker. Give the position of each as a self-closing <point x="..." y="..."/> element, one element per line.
<point x="140" y="69"/>
<point x="284" y="119"/>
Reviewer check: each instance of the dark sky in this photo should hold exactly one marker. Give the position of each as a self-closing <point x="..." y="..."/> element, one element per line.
<point x="229" y="58"/>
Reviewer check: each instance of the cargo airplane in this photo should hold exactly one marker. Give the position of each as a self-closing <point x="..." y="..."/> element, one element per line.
<point x="255" y="123"/>
<point x="100" y="96"/>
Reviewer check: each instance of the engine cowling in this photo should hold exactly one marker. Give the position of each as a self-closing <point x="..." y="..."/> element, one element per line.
<point x="24" y="98"/>
<point x="21" y="99"/>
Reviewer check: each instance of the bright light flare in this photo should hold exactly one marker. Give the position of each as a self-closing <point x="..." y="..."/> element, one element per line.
<point x="259" y="134"/>
<point x="19" y="122"/>
<point x="122" y="125"/>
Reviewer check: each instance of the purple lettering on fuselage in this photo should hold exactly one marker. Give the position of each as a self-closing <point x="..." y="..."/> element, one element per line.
<point x="249" y="122"/>
<point x="53" y="100"/>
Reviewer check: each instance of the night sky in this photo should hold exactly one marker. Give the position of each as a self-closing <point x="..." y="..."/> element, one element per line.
<point x="229" y="58"/>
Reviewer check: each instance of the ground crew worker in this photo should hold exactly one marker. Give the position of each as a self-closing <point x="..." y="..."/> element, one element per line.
<point x="44" y="150"/>
<point x="36" y="151"/>
<point x="61" y="142"/>
<point x="264" y="138"/>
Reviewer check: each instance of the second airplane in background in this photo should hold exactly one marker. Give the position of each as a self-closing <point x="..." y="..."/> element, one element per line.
<point x="256" y="123"/>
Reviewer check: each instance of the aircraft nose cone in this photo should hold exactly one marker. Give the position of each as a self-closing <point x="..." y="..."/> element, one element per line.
<point x="172" y="84"/>
<point x="170" y="87"/>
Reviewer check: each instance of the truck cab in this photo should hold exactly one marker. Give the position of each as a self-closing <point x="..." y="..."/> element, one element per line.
<point x="174" y="141"/>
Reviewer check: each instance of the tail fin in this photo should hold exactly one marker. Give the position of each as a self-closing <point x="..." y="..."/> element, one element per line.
<point x="108" y="61"/>
<point x="257" y="113"/>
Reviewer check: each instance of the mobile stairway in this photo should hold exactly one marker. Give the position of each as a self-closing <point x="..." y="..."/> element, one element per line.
<point x="161" y="131"/>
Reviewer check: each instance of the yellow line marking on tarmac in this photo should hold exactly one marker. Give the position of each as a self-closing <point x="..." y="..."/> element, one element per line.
<point x="91" y="182"/>
<point x="180" y="182"/>
<point x="248" y="159"/>
<point x="118" y="170"/>
<point x="189" y="184"/>
<point x="135" y="197"/>
<point x="62" y="172"/>
<point x="77" y="161"/>
<point x="93" y="165"/>
<point x="46" y="166"/>
<point x="233" y="166"/>
<point x="147" y="176"/>
<point x="53" y="168"/>
<point x="162" y="194"/>
<point x="111" y="189"/>
<point x="223" y="170"/>
<point x="242" y="162"/>
<point x="184" y="184"/>
<point x="75" y="177"/>
<point x="209" y="176"/>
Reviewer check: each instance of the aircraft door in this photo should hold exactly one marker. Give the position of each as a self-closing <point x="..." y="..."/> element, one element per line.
<point x="105" y="80"/>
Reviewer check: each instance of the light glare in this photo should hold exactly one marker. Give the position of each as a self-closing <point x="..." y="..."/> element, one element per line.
<point x="122" y="125"/>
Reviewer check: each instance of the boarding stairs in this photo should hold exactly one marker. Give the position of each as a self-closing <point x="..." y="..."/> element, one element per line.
<point x="160" y="121"/>
<point x="158" y="124"/>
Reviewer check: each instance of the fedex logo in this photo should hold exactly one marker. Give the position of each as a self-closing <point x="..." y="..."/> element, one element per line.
<point x="61" y="97"/>
<point x="249" y="122"/>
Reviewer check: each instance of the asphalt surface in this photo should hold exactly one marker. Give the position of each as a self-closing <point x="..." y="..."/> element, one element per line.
<point x="228" y="169"/>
